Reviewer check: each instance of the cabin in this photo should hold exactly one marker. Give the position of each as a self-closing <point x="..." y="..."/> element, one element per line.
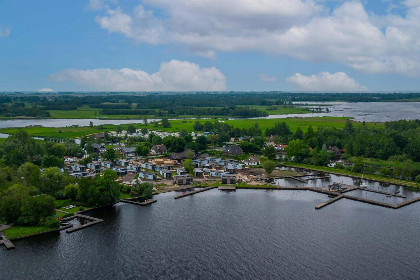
<point x="181" y="171"/>
<point x="252" y="161"/>
<point x="228" y="179"/>
<point x="198" y="172"/>
<point x="183" y="180"/>
<point x="166" y="174"/>
<point x="158" y="150"/>
<point x="129" y="152"/>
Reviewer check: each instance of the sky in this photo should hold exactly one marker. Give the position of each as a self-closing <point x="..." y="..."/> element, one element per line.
<point x="210" y="45"/>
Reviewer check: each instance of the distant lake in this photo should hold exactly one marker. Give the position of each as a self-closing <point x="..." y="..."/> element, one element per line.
<point x="365" y="111"/>
<point x="247" y="234"/>
<point x="362" y="111"/>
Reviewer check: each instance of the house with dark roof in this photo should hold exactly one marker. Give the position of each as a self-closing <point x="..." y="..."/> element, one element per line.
<point x="128" y="152"/>
<point x="158" y="150"/>
<point x="233" y="150"/>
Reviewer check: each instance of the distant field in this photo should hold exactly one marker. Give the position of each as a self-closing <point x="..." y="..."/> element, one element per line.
<point x="85" y="112"/>
<point x="177" y="125"/>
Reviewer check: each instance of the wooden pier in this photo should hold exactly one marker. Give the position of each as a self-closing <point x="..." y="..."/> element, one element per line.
<point x="133" y="201"/>
<point x="193" y="192"/>
<point x="6" y="242"/>
<point x="93" y="221"/>
<point x="382" y="192"/>
<point x="227" y="188"/>
<point x="329" y="202"/>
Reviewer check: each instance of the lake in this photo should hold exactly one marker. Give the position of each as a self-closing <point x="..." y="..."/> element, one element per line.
<point x="247" y="234"/>
<point x="362" y="111"/>
<point x="365" y="111"/>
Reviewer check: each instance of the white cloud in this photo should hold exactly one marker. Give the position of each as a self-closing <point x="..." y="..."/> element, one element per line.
<point x="45" y="90"/>
<point x="4" y="31"/>
<point x="326" y="82"/>
<point x="305" y="29"/>
<point x="267" y="78"/>
<point x="174" y="75"/>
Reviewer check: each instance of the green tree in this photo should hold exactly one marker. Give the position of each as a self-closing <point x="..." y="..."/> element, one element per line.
<point x="108" y="190"/>
<point x="298" y="134"/>
<point x="51" y="161"/>
<point x="109" y="154"/>
<point x="145" y="191"/>
<point x="269" y="166"/>
<point x="36" y="209"/>
<point x="142" y="150"/>
<point x="28" y="174"/>
<point x="144" y="131"/>
<point x="20" y="148"/>
<point x="52" y="181"/>
<point x="189" y="167"/>
<point x="131" y="129"/>
<point x="166" y="123"/>
<point x="270" y="152"/>
<point x="11" y="203"/>
<point x="298" y="150"/>
<point x="71" y="191"/>
<point x="183" y="133"/>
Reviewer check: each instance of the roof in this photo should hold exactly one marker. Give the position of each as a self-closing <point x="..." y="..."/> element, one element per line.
<point x="234" y="150"/>
<point x="159" y="149"/>
<point x="129" y="150"/>
<point x="253" y="159"/>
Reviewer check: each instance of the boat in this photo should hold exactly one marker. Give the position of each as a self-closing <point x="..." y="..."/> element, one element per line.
<point x="363" y="184"/>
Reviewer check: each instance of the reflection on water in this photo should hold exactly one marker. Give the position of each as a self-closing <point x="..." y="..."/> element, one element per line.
<point x="247" y="234"/>
<point x="365" y="111"/>
<point x="325" y="182"/>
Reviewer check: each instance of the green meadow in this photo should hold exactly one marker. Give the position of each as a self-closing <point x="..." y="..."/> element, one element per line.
<point x="188" y="124"/>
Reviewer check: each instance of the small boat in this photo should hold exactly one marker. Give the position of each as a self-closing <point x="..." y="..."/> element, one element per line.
<point x="64" y="224"/>
<point x="363" y="184"/>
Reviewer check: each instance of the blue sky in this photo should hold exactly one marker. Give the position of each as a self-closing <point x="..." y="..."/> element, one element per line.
<point x="210" y="45"/>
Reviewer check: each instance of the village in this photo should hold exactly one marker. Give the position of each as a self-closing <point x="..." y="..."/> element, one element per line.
<point x="166" y="170"/>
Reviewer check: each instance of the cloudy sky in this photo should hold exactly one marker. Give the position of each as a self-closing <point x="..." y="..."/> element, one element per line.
<point x="215" y="45"/>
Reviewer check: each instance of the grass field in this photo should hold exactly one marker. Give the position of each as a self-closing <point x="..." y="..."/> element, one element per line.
<point x="177" y="125"/>
<point x="19" y="231"/>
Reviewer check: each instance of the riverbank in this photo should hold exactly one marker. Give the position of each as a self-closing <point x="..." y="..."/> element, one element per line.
<point x="348" y="173"/>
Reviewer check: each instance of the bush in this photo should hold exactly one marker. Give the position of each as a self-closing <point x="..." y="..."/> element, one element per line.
<point x="51" y="222"/>
<point x="418" y="178"/>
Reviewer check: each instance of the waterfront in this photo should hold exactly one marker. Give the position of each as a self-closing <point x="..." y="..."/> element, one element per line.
<point x="247" y="234"/>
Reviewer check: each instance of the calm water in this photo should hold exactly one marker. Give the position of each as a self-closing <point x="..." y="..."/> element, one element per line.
<point x="366" y="111"/>
<point x="247" y="234"/>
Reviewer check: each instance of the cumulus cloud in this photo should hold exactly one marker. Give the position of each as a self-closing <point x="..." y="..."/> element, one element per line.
<point x="4" y="31"/>
<point x="267" y="78"/>
<point x="326" y="81"/>
<point x="45" y="90"/>
<point x="304" y="29"/>
<point x="174" y="75"/>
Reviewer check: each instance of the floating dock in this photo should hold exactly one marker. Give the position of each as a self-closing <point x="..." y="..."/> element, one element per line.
<point x="93" y="221"/>
<point x="193" y="192"/>
<point x="133" y="201"/>
<point x="322" y="205"/>
<point x="6" y="242"/>
<point x="226" y="188"/>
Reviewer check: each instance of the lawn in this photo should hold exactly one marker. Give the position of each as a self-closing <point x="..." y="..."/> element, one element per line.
<point x="19" y="231"/>
<point x="84" y="112"/>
